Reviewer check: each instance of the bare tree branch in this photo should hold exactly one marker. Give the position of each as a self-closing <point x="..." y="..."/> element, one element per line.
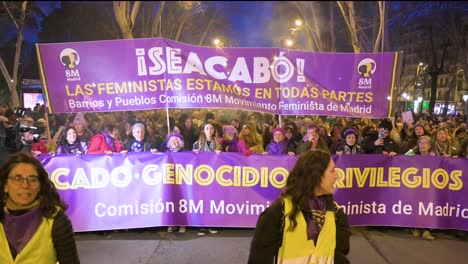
<point x="10" y="14"/>
<point x="351" y="23"/>
<point x="156" y="28"/>
<point x="379" y="34"/>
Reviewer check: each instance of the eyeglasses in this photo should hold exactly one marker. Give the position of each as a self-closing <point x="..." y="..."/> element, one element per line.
<point x="18" y="180"/>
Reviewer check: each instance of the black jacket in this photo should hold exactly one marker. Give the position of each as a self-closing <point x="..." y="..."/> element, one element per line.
<point x="268" y="235"/>
<point x="370" y="148"/>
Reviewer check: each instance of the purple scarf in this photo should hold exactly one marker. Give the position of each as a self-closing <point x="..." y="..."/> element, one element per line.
<point x="231" y="145"/>
<point x="316" y="218"/>
<point x="109" y="140"/>
<point x="20" y="228"/>
<point x="278" y="148"/>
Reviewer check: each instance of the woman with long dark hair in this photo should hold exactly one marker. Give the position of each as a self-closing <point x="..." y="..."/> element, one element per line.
<point x="304" y="223"/>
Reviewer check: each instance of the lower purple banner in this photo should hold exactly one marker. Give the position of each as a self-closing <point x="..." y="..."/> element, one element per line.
<point x="231" y="189"/>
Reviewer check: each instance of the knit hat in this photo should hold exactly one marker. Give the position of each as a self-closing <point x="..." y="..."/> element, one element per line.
<point x="80" y="119"/>
<point x="230" y="130"/>
<point x="174" y="134"/>
<point x="278" y="129"/>
<point x="349" y="130"/>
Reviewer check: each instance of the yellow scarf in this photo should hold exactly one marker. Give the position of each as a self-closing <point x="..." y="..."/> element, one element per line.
<point x="10" y="205"/>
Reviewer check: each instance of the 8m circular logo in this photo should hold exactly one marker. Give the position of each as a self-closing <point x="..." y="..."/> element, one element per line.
<point x="69" y="58"/>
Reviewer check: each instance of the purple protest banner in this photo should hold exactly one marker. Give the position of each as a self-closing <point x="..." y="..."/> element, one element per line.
<point x="144" y="74"/>
<point x="231" y="190"/>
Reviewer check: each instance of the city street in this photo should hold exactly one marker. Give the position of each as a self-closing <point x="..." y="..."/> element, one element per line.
<point x="231" y="246"/>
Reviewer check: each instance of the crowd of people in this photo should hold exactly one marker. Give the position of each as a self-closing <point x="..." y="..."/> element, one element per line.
<point x="306" y="206"/>
<point x="221" y="130"/>
<point x="239" y="131"/>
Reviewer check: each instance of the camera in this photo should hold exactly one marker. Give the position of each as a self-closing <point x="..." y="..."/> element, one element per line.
<point x="11" y="136"/>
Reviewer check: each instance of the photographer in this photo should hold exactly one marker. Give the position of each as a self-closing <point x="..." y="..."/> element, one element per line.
<point x="379" y="142"/>
<point x="16" y="137"/>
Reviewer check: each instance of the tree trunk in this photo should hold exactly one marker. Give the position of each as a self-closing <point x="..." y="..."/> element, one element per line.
<point x="126" y="20"/>
<point x="12" y="81"/>
<point x="332" y="29"/>
<point x="449" y="89"/>
<point x="378" y="39"/>
<point x="200" y="43"/>
<point x="351" y="23"/>
<point x="156" y="28"/>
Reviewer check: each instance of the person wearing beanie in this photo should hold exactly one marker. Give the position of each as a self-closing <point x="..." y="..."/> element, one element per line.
<point x="231" y="141"/>
<point x="379" y="142"/>
<point x="349" y="143"/>
<point x="279" y="145"/>
<point x="418" y="131"/>
<point x="175" y="142"/>
<point x="81" y="126"/>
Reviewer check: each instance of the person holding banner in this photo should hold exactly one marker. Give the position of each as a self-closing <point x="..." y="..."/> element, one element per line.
<point x="279" y="145"/>
<point x="175" y="143"/>
<point x="424" y="147"/>
<point x="231" y="141"/>
<point x="71" y="144"/>
<point x="350" y="144"/>
<point x="208" y="141"/>
<point x="33" y="225"/>
<point x="138" y="141"/>
<point x="107" y="142"/>
<point x="252" y="138"/>
<point x="304" y="223"/>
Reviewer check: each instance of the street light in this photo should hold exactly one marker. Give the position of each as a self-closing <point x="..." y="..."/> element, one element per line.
<point x="298" y="22"/>
<point x="217" y="42"/>
<point x="289" y="42"/>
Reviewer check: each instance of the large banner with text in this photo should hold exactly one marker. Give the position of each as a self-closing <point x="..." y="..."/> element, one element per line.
<point x="155" y="73"/>
<point x="231" y="189"/>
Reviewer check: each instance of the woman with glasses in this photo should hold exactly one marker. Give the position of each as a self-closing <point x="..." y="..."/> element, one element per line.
<point x="33" y="225"/>
<point x="424" y="147"/>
